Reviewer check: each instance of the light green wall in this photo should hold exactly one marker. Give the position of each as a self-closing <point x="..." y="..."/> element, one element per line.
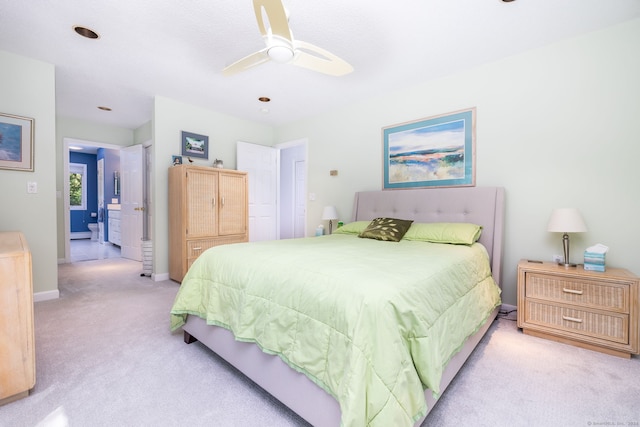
<point x="170" y="119"/>
<point x="556" y="126"/>
<point x="144" y="133"/>
<point x="27" y="89"/>
<point x="86" y="131"/>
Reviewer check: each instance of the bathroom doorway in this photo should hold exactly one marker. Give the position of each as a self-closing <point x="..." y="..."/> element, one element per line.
<point x="85" y="242"/>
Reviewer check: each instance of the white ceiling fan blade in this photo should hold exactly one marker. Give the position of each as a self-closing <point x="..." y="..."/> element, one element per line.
<point x="277" y="16"/>
<point x="317" y="59"/>
<point x="247" y="62"/>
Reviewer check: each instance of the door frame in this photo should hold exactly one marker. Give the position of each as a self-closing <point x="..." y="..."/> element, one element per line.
<point x="66" y="190"/>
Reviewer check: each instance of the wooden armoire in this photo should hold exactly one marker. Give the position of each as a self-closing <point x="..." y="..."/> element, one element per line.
<point x="207" y="207"/>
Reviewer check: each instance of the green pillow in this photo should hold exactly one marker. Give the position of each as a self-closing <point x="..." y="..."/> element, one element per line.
<point x="355" y="227"/>
<point x="388" y="229"/>
<point x="457" y="233"/>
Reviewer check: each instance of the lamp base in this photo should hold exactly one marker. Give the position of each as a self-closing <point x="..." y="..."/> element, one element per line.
<point x="565" y="265"/>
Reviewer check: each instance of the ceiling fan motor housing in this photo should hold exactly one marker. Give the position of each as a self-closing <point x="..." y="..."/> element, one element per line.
<point x="280" y="50"/>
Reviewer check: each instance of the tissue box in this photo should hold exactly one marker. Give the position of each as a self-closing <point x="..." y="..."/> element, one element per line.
<point x="594" y="261"/>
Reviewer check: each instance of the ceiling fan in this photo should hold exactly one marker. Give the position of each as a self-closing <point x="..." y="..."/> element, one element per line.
<point x="281" y="46"/>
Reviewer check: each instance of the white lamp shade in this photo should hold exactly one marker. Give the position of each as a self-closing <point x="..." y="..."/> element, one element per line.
<point x="566" y="220"/>
<point x="329" y="213"/>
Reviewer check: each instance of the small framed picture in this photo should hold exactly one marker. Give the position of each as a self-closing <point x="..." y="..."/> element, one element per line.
<point x="176" y="160"/>
<point x="194" y="145"/>
<point x="16" y="142"/>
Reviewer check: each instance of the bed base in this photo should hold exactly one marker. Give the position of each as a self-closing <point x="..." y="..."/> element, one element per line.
<point x="479" y="205"/>
<point x="292" y="388"/>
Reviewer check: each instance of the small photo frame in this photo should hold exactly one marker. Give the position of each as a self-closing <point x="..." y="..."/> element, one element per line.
<point x="176" y="160"/>
<point x="16" y="142"/>
<point x="194" y="145"/>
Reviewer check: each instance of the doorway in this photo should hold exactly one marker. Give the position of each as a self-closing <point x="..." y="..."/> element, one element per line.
<point x="277" y="188"/>
<point x="293" y="189"/>
<point x="89" y="250"/>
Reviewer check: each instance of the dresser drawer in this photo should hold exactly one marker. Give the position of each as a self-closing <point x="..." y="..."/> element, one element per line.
<point x="596" y="324"/>
<point x="197" y="247"/>
<point x="579" y="292"/>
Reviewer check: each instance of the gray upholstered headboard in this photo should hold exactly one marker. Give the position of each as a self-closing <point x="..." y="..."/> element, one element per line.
<point x="478" y="205"/>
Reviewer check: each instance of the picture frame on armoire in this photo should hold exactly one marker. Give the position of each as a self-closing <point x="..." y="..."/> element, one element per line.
<point x="16" y="142"/>
<point x="194" y="145"/>
<point x="437" y="151"/>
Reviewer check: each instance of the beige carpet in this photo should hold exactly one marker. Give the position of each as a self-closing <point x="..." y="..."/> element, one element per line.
<point x="105" y="357"/>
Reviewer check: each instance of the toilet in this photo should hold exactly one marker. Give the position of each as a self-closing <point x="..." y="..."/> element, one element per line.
<point x="93" y="227"/>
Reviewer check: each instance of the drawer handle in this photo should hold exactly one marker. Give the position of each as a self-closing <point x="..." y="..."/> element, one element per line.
<point x="197" y="249"/>
<point x="571" y="319"/>
<point x="571" y="291"/>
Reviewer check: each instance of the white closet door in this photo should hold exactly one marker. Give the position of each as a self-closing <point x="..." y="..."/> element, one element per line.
<point x="261" y="164"/>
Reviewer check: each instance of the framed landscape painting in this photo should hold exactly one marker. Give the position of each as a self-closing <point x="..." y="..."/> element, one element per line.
<point x="436" y="151"/>
<point x="16" y="142"/>
<point x="194" y="145"/>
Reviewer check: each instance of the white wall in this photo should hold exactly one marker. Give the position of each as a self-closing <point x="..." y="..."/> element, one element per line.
<point x="556" y="126"/>
<point x="27" y="89"/>
<point x="170" y="119"/>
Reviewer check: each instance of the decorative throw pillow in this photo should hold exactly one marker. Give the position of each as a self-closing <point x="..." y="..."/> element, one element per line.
<point x="388" y="229"/>
<point x="355" y="227"/>
<point x="457" y="233"/>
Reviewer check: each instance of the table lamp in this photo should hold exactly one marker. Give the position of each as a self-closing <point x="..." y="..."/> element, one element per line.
<point x="566" y="220"/>
<point x="329" y="213"/>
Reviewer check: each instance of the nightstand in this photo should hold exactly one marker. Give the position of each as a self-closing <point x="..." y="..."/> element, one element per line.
<point x="594" y="310"/>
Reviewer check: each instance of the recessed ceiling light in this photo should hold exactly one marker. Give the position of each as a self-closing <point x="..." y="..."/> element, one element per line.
<point x="86" y="32"/>
<point x="507" y="1"/>
<point x="104" y="108"/>
<point x="264" y="99"/>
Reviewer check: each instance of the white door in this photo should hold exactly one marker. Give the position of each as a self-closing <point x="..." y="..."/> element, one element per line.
<point x="299" y="199"/>
<point x="261" y="164"/>
<point x="131" y="201"/>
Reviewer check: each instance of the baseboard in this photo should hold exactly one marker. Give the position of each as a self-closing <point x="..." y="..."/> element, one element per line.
<point x="80" y="235"/>
<point x="46" y="296"/>
<point x="506" y="308"/>
<point x="160" y="277"/>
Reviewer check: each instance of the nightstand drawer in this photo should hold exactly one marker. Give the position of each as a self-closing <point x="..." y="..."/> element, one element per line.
<point x="580" y="292"/>
<point x="596" y="324"/>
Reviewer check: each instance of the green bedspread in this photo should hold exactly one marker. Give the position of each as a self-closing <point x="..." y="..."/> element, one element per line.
<point x="371" y="322"/>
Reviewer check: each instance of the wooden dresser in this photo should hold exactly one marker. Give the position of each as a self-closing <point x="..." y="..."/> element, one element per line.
<point x="17" y="353"/>
<point x="589" y="309"/>
<point x="207" y="207"/>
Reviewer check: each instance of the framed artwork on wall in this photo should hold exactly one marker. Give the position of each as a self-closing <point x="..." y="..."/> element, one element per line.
<point x="436" y="151"/>
<point x="16" y="142"/>
<point x="194" y="145"/>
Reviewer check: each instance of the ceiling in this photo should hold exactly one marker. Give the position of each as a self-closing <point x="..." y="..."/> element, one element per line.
<point x="178" y="48"/>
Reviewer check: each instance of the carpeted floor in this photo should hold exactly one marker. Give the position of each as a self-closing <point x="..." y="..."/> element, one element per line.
<point x="105" y="357"/>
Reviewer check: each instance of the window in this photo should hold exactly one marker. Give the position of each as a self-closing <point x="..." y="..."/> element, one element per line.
<point x="77" y="186"/>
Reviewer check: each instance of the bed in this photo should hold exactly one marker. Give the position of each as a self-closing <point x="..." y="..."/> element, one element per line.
<point x="385" y="358"/>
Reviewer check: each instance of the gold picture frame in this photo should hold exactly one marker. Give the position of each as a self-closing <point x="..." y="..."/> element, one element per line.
<point x="16" y="142"/>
